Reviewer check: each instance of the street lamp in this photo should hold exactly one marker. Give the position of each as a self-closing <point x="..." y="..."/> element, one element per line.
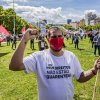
<point x="14" y="19"/>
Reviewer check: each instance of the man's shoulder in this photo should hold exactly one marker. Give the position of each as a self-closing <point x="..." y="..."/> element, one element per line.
<point x="40" y="53"/>
<point x="69" y="53"/>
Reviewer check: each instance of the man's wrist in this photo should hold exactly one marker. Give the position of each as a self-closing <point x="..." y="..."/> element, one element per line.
<point x="94" y="72"/>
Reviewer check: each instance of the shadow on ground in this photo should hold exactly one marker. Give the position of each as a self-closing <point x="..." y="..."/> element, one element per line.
<point x="3" y="54"/>
<point x="30" y="52"/>
<point x="1" y="46"/>
<point x="78" y="97"/>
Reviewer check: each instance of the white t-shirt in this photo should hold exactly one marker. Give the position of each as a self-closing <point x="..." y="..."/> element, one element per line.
<point x="54" y="74"/>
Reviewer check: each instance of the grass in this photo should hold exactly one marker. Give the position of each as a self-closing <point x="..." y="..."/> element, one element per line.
<point x="19" y="86"/>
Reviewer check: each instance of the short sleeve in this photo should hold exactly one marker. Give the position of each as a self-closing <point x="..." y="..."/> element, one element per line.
<point x="30" y="63"/>
<point x="77" y="68"/>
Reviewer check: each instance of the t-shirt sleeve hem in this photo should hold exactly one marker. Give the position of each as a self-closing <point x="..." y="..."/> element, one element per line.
<point x="26" y="69"/>
<point x="78" y="76"/>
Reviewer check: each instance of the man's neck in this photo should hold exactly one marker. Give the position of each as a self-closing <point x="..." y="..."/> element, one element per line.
<point x="57" y="53"/>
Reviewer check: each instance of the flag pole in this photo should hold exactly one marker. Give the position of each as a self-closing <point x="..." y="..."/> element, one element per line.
<point x="95" y="86"/>
<point x="14" y="19"/>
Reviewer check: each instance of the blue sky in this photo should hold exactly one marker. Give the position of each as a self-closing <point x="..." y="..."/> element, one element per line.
<point x="55" y="11"/>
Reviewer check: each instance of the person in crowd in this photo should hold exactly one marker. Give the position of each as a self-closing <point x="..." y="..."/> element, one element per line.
<point x="42" y="43"/>
<point x="76" y="41"/>
<point x="54" y="67"/>
<point x="91" y="39"/>
<point x="96" y="41"/>
<point x="73" y="37"/>
<point x="8" y="40"/>
<point x="39" y="42"/>
<point x="11" y="38"/>
<point x="14" y="42"/>
<point x="32" y="44"/>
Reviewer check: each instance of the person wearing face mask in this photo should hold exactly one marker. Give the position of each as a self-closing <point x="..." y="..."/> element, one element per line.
<point x="54" y="67"/>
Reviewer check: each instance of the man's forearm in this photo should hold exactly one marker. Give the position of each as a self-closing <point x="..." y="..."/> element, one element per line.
<point x="17" y="58"/>
<point x="87" y="75"/>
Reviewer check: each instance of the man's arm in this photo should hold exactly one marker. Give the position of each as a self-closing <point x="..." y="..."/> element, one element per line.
<point x="85" y="76"/>
<point x="16" y="63"/>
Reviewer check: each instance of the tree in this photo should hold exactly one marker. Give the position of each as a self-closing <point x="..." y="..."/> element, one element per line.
<point x="9" y="19"/>
<point x="1" y="14"/>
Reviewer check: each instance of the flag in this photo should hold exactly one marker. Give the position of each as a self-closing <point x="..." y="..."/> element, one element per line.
<point x="2" y="36"/>
<point x="23" y="30"/>
<point x="3" y="33"/>
<point x="3" y="30"/>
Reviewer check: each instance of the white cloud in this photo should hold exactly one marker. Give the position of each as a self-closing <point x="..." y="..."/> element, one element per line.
<point x="36" y="13"/>
<point x="9" y="1"/>
<point x="87" y="11"/>
<point x="93" y="12"/>
<point x="53" y="15"/>
<point x="75" y="16"/>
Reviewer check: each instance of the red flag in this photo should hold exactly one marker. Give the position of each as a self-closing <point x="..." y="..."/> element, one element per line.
<point x="1" y="40"/>
<point x="4" y="30"/>
<point x="23" y="30"/>
<point x="3" y="33"/>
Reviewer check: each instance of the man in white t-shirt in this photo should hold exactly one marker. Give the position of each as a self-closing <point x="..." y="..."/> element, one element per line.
<point x="54" y="67"/>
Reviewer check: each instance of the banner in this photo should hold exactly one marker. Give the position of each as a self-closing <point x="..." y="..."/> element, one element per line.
<point x="2" y="36"/>
<point x="3" y="33"/>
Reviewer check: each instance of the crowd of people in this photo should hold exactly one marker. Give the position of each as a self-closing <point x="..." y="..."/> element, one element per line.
<point x="75" y="36"/>
<point x="12" y="40"/>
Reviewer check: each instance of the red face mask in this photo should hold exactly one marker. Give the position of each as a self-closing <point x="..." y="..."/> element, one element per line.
<point x="56" y="43"/>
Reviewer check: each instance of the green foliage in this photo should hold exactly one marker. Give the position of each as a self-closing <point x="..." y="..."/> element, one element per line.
<point x="47" y="27"/>
<point x="7" y="19"/>
<point x="1" y="13"/>
<point x="69" y="27"/>
<point x="89" y="28"/>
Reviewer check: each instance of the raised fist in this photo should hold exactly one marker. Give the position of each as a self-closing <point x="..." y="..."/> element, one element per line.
<point x="30" y="34"/>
